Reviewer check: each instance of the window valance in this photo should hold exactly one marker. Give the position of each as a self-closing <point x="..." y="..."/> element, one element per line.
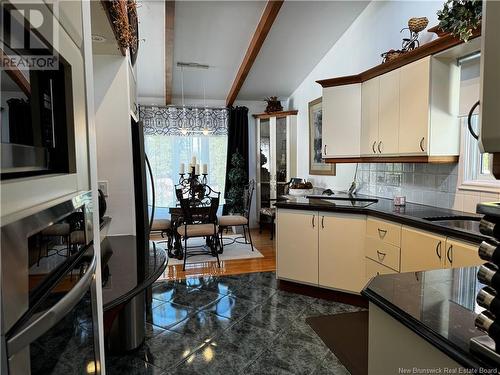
<point x="183" y="121"/>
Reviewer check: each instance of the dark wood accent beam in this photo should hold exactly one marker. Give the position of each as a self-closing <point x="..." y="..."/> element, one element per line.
<point x="15" y="74"/>
<point x="266" y="21"/>
<point x="275" y="114"/>
<point x="396" y="159"/>
<point x="438" y="45"/>
<point x="169" y="49"/>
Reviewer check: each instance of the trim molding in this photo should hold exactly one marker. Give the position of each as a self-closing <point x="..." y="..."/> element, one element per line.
<point x="438" y="45"/>
<point x="275" y="114"/>
<point x="396" y="159"/>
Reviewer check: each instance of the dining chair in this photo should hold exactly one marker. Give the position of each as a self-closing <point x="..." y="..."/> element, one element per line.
<point x="243" y="220"/>
<point x="270" y="212"/>
<point x="200" y="220"/>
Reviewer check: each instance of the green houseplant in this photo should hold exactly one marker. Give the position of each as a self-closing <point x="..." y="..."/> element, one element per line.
<point x="237" y="181"/>
<point x="460" y="17"/>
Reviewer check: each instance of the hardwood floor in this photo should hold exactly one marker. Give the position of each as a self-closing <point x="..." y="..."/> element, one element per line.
<point x="262" y="242"/>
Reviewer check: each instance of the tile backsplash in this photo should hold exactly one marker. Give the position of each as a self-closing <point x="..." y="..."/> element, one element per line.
<point x="429" y="184"/>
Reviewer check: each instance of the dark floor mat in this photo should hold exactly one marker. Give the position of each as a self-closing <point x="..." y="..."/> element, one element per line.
<point x="347" y="337"/>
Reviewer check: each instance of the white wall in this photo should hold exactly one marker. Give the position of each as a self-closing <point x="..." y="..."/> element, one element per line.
<point x="375" y="31"/>
<point x="114" y="140"/>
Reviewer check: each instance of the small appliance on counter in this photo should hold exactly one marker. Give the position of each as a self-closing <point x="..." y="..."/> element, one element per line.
<point x="489" y="274"/>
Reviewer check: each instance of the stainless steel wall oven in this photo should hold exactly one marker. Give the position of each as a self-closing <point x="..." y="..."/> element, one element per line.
<point x="48" y="291"/>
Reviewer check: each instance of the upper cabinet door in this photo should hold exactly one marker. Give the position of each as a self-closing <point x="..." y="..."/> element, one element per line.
<point x="414" y="108"/>
<point x="341" y="121"/>
<point x="388" y="117"/>
<point x="370" y="117"/>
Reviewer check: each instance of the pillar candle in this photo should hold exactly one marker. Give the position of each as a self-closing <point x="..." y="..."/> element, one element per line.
<point x="197" y="169"/>
<point x="193" y="160"/>
<point x="181" y="168"/>
<point x="205" y="169"/>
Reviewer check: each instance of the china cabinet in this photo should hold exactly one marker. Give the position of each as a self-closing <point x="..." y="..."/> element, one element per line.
<point x="276" y="155"/>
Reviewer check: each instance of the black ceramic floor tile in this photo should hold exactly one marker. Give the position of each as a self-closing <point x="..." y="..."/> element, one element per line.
<point x="152" y="330"/>
<point x="265" y="279"/>
<point x="167" y="350"/>
<point x="245" y="340"/>
<point x="330" y="366"/>
<point x="295" y="356"/>
<point x="169" y="314"/>
<point x="318" y="307"/>
<point x="257" y="294"/>
<point x="211" y="360"/>
<point x="259" y="367"/>
<point x="197" y="299"/>
<point x="221" y="285"/>
<point x="202" y="326"/>
<point x="168" y="290"/>
<point x="231" y="307"/>
<point x="130" y="365"/>
<point x="269" y="317"/>
<point x="290" y="304"/>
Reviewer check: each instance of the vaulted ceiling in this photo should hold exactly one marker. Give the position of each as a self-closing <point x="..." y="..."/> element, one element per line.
<point x="218" y="33"/>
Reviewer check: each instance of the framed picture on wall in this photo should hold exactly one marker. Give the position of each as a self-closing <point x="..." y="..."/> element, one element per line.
<point x="316" y="164"/>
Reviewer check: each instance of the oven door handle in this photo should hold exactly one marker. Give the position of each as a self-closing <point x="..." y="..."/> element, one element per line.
<point x="36" y="328"/>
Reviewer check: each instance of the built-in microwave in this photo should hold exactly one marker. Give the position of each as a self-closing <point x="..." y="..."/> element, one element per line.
<point x="37" y="126"/>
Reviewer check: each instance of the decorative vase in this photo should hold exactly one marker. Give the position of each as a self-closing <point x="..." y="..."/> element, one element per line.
<point x="273" y="104"/>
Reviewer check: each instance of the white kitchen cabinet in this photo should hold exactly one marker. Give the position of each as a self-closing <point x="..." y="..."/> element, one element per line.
<point x="341" y="121"/>
<point x="421" y="250"/>
<point x="428" y="108"/>
<point x="297" y="246"/>
<point x="388" y="114"/>
<point x="341" y="251"/>
<point x="461" y="254"/>
<point x="370" y="117"/>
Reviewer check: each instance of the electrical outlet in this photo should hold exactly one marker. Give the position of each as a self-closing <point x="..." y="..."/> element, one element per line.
<point x="103" y="186"/>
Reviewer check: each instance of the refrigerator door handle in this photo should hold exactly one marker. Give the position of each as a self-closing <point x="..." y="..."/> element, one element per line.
<point x="36" y="328"/>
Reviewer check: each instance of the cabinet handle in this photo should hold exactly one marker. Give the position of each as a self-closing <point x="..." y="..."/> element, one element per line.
<point x="381" y="255"/>
<point x="381" y="233"/>
<point x="449" y="254"/>
<point x="379" y="144"/>
<point x="469" y="120"/>
<point x="324" y="149"/>
<point x="422" y="143"/>
<point x="373" y="147"/>
<point x="438" y="249"/>
<point x="313" y="221"/>
<point x="322" y="222"/>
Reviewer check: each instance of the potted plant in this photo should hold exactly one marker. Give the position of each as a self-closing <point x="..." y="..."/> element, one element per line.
<point x="237" y="181"/>
<point x="460" y="17"/>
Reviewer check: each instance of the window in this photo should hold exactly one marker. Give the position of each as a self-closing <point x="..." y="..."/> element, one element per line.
<point x="173" y="136"/>
<point x="476" y="165"/>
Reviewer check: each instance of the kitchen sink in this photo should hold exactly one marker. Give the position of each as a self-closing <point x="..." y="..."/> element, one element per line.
<point x="468" y="223"/>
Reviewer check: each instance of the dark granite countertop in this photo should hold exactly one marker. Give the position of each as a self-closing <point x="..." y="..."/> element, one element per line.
<point x="438" y="305"/>
<point x="128" y="277"/>
<point x="412" y="214"/>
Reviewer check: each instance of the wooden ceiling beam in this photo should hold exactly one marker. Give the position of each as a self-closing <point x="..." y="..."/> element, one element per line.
<point x="169" y="49"/>
<point x="266" y="21"/>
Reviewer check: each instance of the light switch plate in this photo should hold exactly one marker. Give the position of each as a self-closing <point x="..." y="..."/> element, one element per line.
<point x="103" y="186"/>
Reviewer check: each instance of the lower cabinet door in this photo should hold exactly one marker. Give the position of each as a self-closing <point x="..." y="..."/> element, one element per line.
<point x="342" y="251"/>
<point x="421" y="250"/>
<point x="373" y="269"/>
<point x="461" y="254"/>
<point x="297" y="245"/>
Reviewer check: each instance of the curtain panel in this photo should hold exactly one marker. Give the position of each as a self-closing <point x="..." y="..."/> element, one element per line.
<point x="237" y="138"/>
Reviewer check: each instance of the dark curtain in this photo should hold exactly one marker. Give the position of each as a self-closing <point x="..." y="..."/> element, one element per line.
<point x="237" y="137"/>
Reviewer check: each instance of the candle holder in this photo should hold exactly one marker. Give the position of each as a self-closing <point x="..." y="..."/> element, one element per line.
<point x="192" y="186"/>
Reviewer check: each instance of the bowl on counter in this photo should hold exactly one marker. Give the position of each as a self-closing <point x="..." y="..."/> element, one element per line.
<point x="300" y="192"/>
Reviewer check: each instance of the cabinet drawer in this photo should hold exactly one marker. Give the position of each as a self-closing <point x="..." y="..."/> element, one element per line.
<point x="384" y="230"/>
<point x="374" y="269"/>
<point x="382" y="253"/>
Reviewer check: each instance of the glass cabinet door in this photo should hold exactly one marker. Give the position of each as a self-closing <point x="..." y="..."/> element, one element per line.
<point x="265" y="162"/>
<point x="280" y="161"/>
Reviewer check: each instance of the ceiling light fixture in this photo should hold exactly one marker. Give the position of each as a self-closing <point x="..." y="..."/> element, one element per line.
<point x="98" y="38"/>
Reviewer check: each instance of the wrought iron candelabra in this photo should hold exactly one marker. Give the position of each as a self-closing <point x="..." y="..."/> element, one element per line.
<point x="192" y="184"/>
